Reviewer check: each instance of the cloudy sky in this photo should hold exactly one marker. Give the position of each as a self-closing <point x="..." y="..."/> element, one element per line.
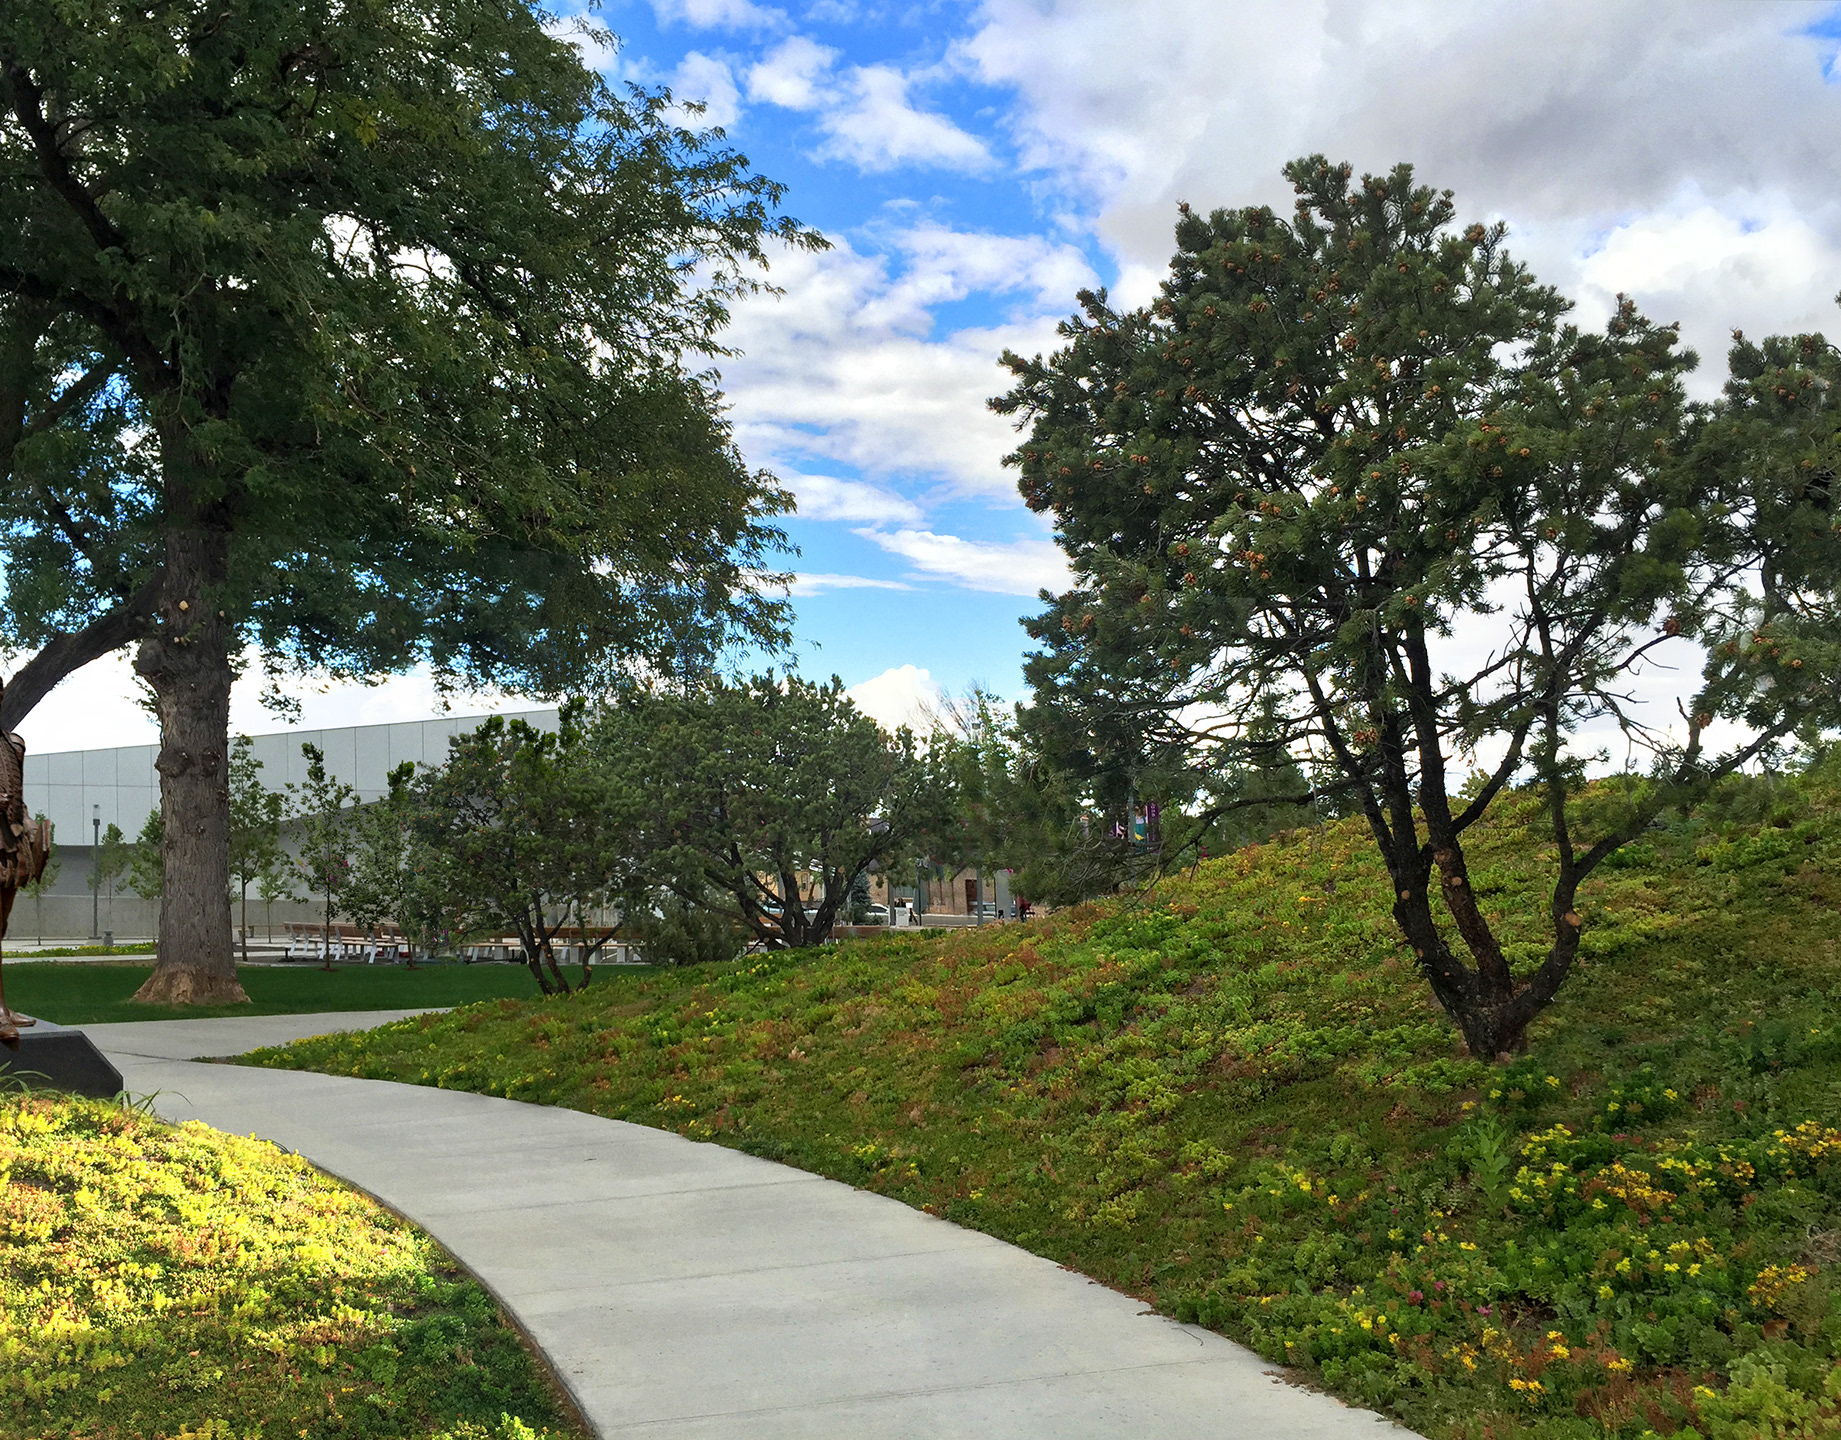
<point x="975" y="164"/>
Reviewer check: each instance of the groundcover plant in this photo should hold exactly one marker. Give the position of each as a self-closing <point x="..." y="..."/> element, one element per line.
<point x="1233" y="1098"/>
<point x="173" y="1281"/>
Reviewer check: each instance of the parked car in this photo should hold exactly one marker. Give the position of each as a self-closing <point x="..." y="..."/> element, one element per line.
<point x="876" y="915"/>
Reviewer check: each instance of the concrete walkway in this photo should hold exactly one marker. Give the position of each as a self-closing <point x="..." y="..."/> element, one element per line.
<point x="688" y="1292"/>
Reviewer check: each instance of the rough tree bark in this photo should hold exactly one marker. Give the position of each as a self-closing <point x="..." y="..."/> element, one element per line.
<point x="187" y="663"/>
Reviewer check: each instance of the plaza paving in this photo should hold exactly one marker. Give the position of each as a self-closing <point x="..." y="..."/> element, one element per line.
<point x="688" y="1292"/>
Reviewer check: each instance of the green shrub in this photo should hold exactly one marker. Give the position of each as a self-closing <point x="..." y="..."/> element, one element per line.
<point x="680" y="934"/>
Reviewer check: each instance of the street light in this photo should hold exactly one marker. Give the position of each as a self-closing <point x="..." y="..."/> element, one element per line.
<point x="95" y="899"/>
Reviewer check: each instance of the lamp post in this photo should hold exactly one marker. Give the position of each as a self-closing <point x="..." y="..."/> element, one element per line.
<point x="95" y="898"/>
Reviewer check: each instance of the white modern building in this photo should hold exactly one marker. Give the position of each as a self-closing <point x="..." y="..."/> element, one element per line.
<point x="83" y="792"/>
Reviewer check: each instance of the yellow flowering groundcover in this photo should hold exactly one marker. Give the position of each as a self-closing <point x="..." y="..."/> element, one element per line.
<point x="1235" y="1098"/>
<point x="174" y="1281"/>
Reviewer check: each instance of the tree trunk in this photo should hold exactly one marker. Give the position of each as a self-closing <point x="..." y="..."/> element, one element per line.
<point x="186" y="662"/>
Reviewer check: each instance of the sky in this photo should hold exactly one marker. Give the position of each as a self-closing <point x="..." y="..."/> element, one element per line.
<point x="973" y="165"/>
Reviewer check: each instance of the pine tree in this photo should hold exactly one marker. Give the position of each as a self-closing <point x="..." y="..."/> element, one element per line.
<point x="1352" y="485"/>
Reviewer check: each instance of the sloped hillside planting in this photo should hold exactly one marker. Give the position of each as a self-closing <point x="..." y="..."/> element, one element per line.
<point x="1234" y="1098"/>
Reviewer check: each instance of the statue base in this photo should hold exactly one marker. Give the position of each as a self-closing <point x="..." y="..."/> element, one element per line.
<point x="51" y="1057"/>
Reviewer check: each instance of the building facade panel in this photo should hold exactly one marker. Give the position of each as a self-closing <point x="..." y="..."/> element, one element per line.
<point x="120" y="786"/>
<point x="371" y="758"/>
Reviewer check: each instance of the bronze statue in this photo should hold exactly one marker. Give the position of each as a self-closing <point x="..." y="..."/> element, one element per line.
<point x="24" y="849"/>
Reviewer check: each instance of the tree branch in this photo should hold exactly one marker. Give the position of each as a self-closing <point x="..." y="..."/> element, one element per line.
<point x="66" y="653"/>
<point x="55" y="165"/>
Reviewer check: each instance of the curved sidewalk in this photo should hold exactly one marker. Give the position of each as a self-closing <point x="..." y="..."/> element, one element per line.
<point x="689" y="1292"/>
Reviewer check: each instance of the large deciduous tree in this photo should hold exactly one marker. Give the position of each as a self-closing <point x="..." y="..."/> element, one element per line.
<point x="767" y="799"/>
<point x="362" y="333"/>
<point x="1353" y="486"/>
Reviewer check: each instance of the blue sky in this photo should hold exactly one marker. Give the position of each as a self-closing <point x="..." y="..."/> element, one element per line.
<point x="975" y="163"/>
<point x="915" y="554"/>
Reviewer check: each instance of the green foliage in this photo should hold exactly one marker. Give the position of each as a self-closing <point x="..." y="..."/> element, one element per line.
<point x="209" y="337"/>
<point x="518" y="827"/>
<point x="676" y="933"/>
<point x="1051" y="806"/>
<point x="366" y="337"/>
<point x="146" y="877"/>
<point x="142" y="947"/>
<point x="113" y="861"/>
<point x="1338" y="447"/>
<point x="322" y="808"/>
<point x="256" y="817"/>
<point x="769" y="798"/>
<point x="177" y="1281"/>
<point x="1233" y="1098"/>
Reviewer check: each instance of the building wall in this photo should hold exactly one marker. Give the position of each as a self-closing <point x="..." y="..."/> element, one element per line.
<point x="72" y="788"/>
<point x="75" y="788"/>
<point x="945" y="893"/>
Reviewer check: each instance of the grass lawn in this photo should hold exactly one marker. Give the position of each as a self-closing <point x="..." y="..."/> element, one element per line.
<point x="97" y="991"/>
<point x="176" y="1281"/>
<point x="1236" y="1100"/>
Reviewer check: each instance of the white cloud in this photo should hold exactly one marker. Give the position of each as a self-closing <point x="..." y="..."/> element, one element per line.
<point x="707" y="80"/>
<point x="599" y="49"/>
<point x="1020" y="567"/>
<point x="810" y="583"/>
<point x="905" y="695"/>
<point x="821" y="497"/>
<point x="865" y="111"/>
<point x="790" y="74"/>
<point x="841" y="366"/>
<point x="1572" y="119"/>
<point x="718" y="14"/>
<point x="98" y="708"/>
<point x="1770" y="272"/>
<point x="948" y="264"/>
<point x="875" y="127"/>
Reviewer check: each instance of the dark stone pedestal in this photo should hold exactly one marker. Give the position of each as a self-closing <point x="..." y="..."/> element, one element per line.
<point x="50" y="1057"/>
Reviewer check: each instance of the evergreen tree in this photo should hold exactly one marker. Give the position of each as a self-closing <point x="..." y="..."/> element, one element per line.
<point x="1351" y="487"/>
